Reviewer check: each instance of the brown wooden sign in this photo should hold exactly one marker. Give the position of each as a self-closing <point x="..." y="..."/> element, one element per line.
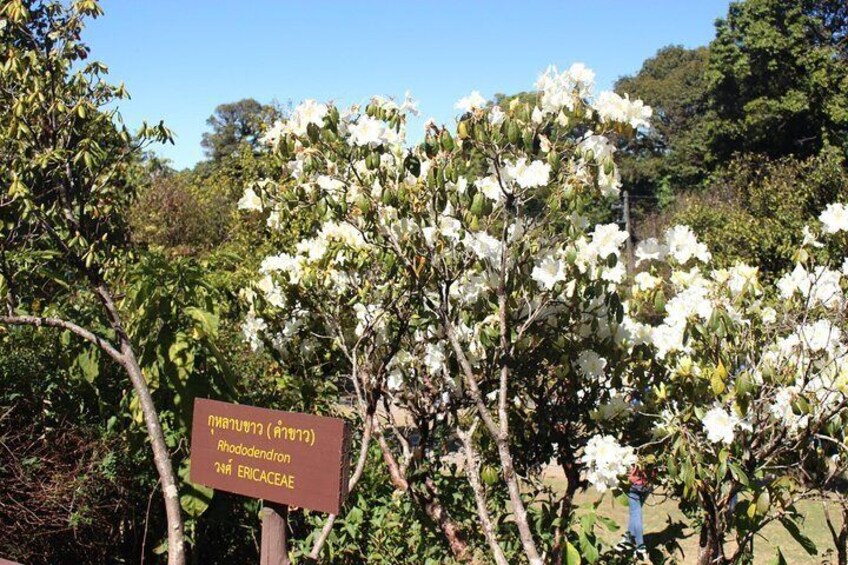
<point x="286" y="457"/>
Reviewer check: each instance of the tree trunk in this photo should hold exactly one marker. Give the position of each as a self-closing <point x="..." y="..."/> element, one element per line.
<point x="161" y="454"/>
<point x="566" y="505"/>
<point x="161" y="458"/>
<point x="429" y="501"/>
<point x="709" y="545"/>
<point x="473" y="475"/>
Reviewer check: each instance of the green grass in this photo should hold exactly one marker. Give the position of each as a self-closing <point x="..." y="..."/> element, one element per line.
<point x="665" y="525"/>
<point x="664" y="522"/>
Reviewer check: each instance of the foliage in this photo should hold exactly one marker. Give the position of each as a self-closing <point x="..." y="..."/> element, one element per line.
<point x="778" y="79"/>
<point x="234" y="124"/>
<point x="669" y="156"/>
<point x="756" y="210"/>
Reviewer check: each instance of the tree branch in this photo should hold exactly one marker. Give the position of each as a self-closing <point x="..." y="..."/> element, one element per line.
<point x="87" y="335"/>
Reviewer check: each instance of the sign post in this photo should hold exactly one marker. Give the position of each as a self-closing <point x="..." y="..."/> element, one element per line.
<point x="275" y="546"/>
<point x="285" y="458"/>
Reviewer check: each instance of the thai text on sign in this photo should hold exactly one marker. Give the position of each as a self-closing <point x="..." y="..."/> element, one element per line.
<point x="286" y="457"/>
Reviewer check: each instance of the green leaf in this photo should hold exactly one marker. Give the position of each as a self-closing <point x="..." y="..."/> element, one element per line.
<point x="207" y="321"/>
<point x="763" y="503"/>
<point x="88" y="363"/>
<point x="572" y="556"/>
<point x="779" y="559"/>
<point x="195" y="498"/>
<point x="796" y="533"/>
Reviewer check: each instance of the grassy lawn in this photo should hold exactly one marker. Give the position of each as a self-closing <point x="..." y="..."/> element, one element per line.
<point x="666" y="526"/>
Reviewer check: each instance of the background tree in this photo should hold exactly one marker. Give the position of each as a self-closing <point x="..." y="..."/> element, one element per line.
<point x="668" y="157"/>
<point x="778" y="79"/>
<point x="234" y="124"/>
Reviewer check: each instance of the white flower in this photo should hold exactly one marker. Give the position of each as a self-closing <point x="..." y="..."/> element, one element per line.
<point x="490" y="187"/>
<point x="307" y="112"/>
<point x="667" y="338"/>
<point x="592" y="365"/>
<point x="250" y="200"/>
<point x="285" y="263"/>
<point x="683" y="245"/>
<point x="810" y="238"/>
<point x="368" y="131"/>
<point x="582" y="76"/>
<point x="650" y="250"/>
<point x="537" y="116"/>
<point x="599" y="145"/>
<point x="483" y="245"/>
<point x="470" y="102"/>
<point x="606" y="460"/>
<point x="768" y="315"/>
<point x="835" y="218"/>
<point x="450" y="228"/>
<point x="607" y="239"/>
<point x="548" y="272"/>
<point x="822" y="286"/>
<point x="646" y="281"/>
<point x="251" y="329"/>
<point x="535" y="174"/>
<point x="329" y="184"/>
<point x="614" y="108"/>
<point x="720" y="425"/>
<point x="410" y="105"/>
<point x="563" y="90"/>
<point x="272" y="135"/>
<point x="435" y="358"/>
<point x="369" y="317"/>
<point x="781" y="409"/>
<point x="820" y="336"/>
<point x="742" y="277"/>
<point x="272" y="292"/>
<point x="496" y="116"/>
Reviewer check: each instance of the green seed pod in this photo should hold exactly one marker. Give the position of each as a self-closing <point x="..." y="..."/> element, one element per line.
<point x="312" y="132"/>
<point x="553" y="160"/>
<point x="478" y="205"/>
<point x="372" y="161"/>
<point x="446" y="140"/>
<point x="489" y="475"/>
<point x="413" y="165"/>
<point x="513" y="134"/>
<point x="363" y="203"/>
<point x="389" y="197"/>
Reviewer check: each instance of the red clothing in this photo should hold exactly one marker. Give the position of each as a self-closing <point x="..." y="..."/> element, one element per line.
<point x="638" y="477"/>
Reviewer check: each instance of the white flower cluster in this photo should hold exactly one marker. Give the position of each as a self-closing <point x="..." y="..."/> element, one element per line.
<point x="834" y="218"/>
<point x="680" y="243"/>
<point x="819" y="286"/>
<point x="720" y="425"/>
<point x="606" y="461"/>
<point x="614" y="108"/>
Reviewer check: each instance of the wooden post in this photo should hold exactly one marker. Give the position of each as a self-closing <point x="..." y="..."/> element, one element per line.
<point x="275" y="547"/>
<point x="629" y="248"/>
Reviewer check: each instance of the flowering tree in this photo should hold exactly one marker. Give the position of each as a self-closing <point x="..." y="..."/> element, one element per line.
<point x="750" y="400"/>
<point x="462" y="284"/>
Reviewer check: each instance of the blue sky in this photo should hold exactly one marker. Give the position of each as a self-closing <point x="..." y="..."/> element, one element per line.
<point x="181" y="58"/>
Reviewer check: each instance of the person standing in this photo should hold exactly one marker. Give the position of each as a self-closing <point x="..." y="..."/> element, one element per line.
<point x="636" y="496"/>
